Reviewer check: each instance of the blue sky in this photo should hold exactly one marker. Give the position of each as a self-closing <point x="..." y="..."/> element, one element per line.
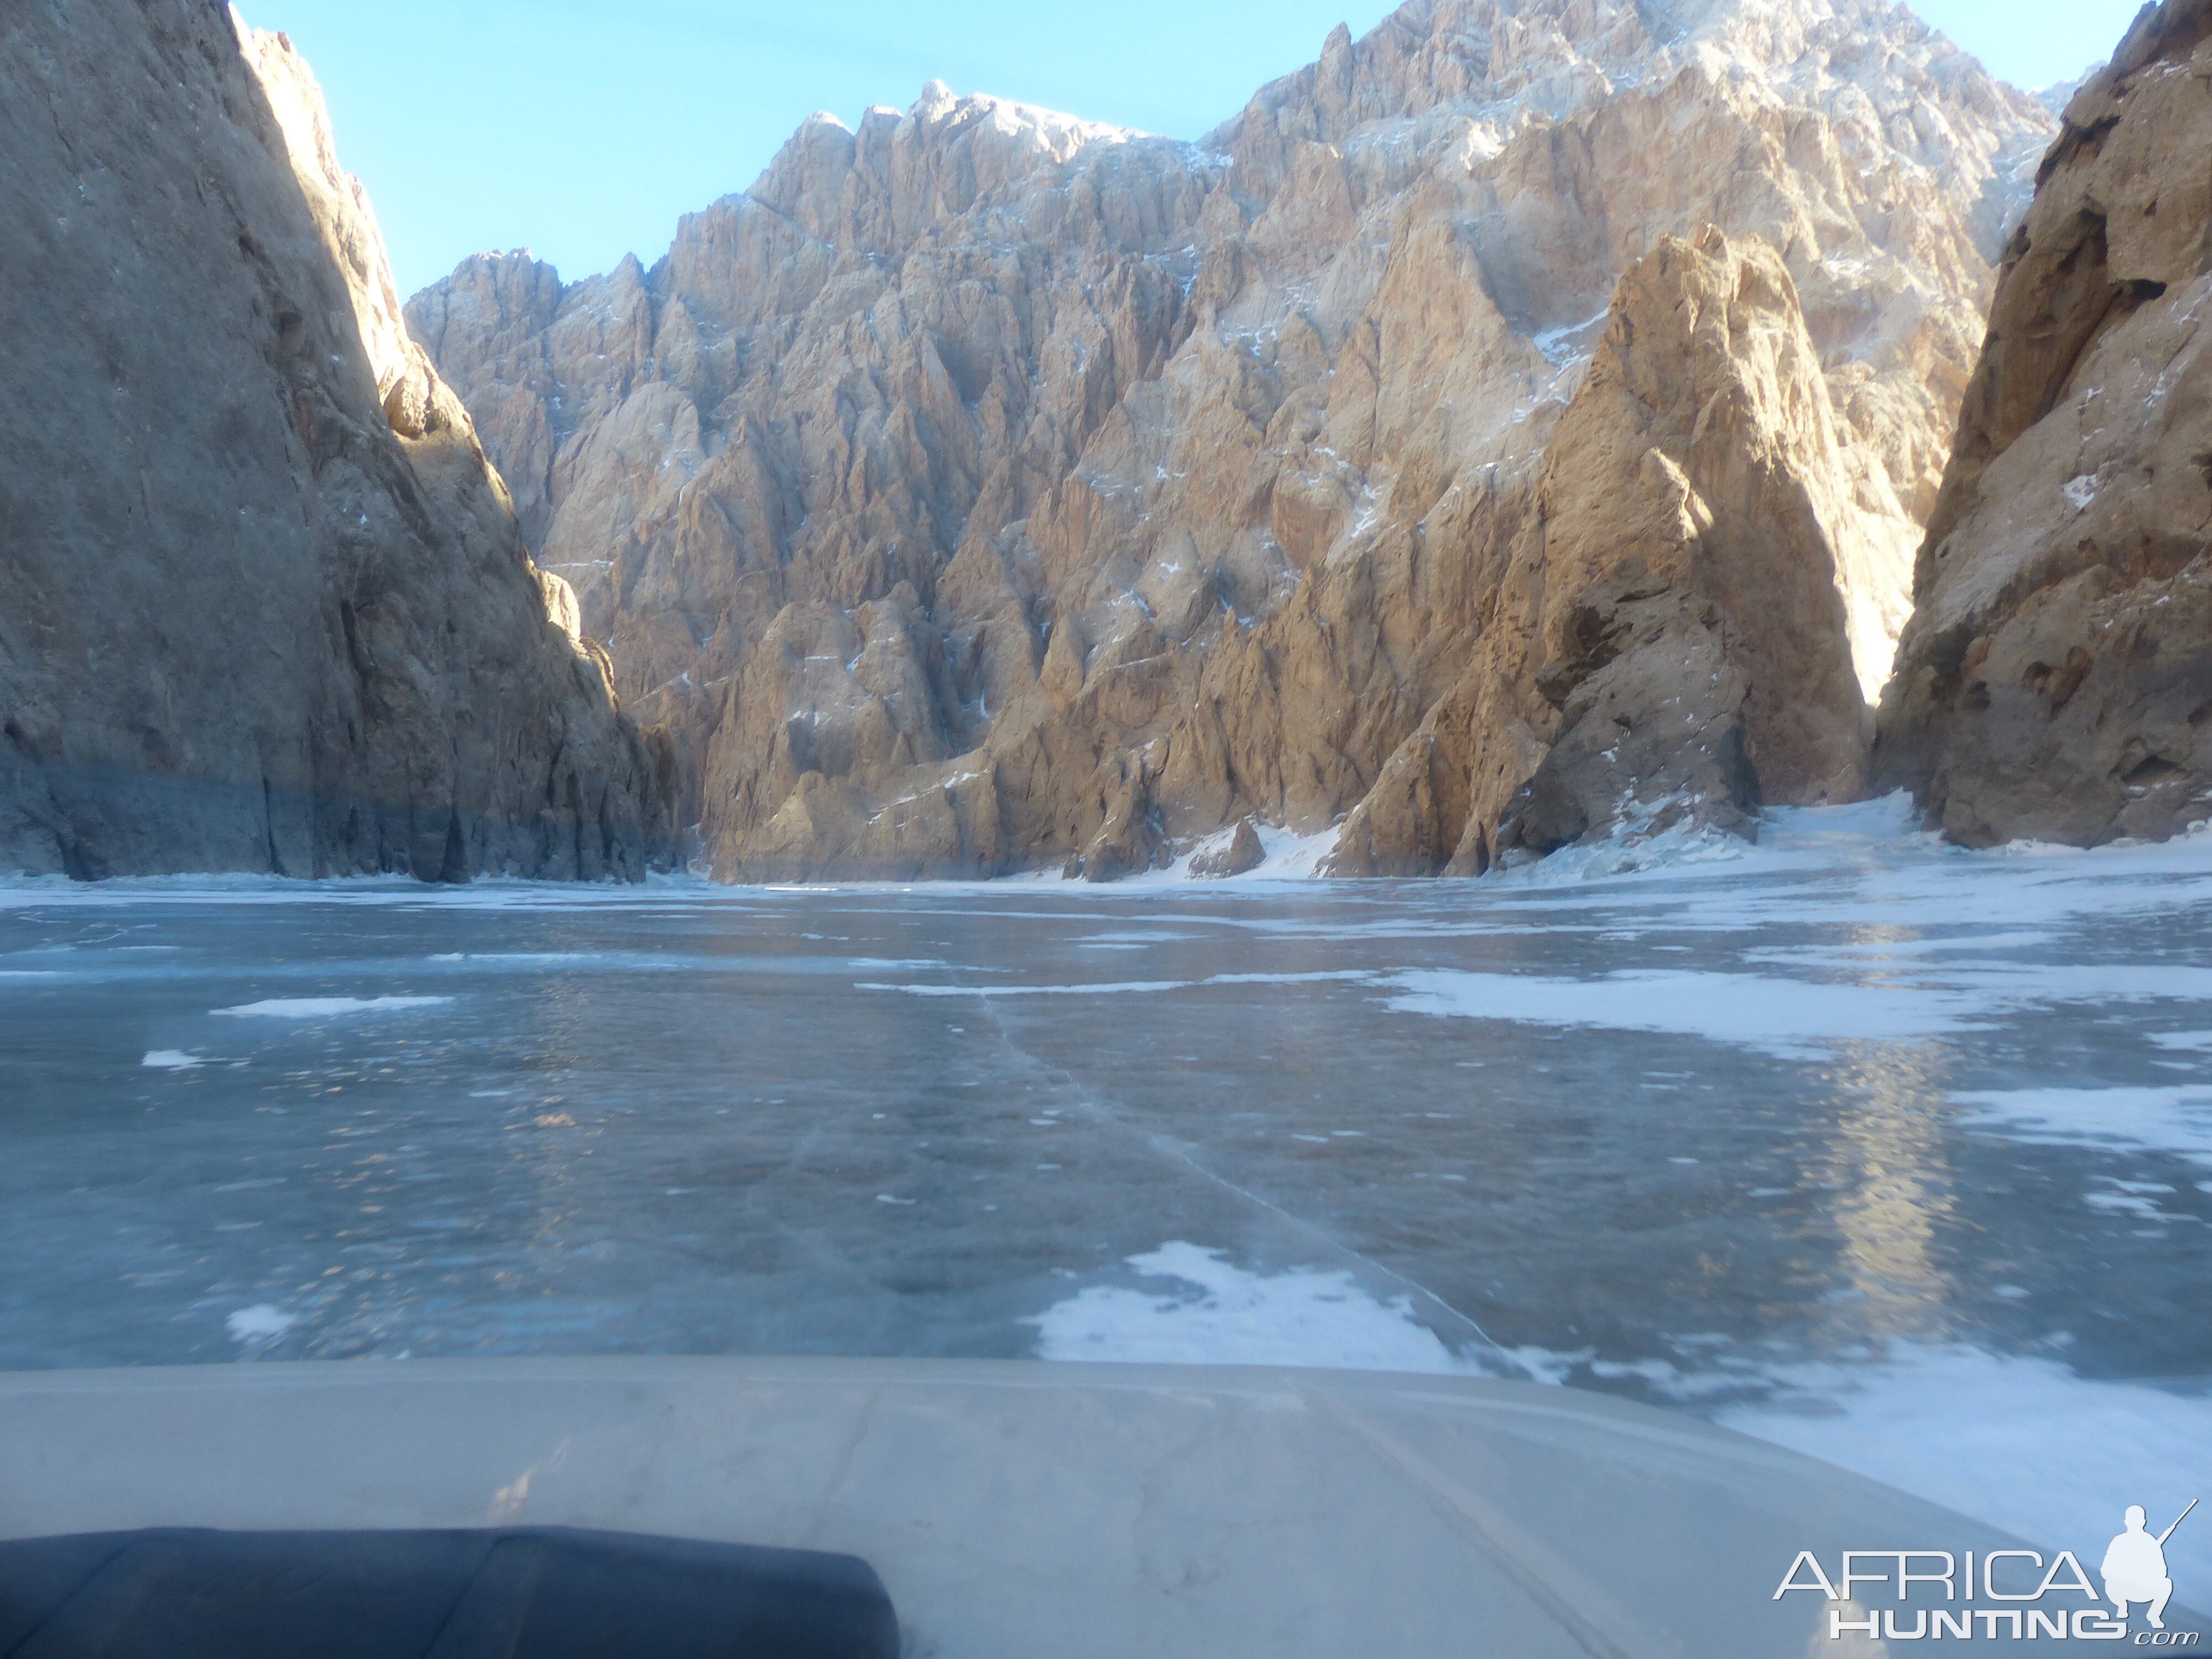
<point x="583" y="128"/>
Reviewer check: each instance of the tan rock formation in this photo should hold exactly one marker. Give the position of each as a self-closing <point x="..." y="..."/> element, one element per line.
<point x="984" y="490"/>
<point x="1668" y="636"/>
<point x="2055" y="682"/>
<point x="263" y="604"/>
<point x="1241" y="854"/>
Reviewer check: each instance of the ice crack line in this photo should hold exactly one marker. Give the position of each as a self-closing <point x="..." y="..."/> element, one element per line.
<point x="1166" y="1147"/>
<point x="1174" y="1150"/>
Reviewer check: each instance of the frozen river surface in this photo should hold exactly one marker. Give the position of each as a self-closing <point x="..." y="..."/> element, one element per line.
<point x="1895" y="1153"/>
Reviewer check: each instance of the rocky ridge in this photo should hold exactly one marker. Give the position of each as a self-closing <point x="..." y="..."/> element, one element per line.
<point x="263" y="605"/>
<point x="983" y="489"/>
<point x="2055" y="682"/>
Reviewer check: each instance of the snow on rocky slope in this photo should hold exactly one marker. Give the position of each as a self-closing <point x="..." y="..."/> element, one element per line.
<point x="986" y="490"/>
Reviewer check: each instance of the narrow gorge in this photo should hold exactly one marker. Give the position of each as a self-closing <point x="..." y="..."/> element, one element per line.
<point x="1409" y="465"/>
<point x="1409" y="460"/>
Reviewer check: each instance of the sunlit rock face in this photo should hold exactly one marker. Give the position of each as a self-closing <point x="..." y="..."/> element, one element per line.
<point x="263" y="605"/>
<point x="983" y="489"/>
<point x="1668" y="630"/>
<point x="2055" y="682"/>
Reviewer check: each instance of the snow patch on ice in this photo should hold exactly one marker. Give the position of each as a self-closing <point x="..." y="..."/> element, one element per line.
<point x="1288" y="856"/>
<point x="1789" y="838"/>
<point x="1121" y="988"/>
<point x="1783" y="1017"/>
<point x="1124" y="987"/>
<point x="1631" y="851"/>
<point x="522" y="956"/>
<point x="2174" y="1120"/>
<point x="259" y="1323"/>
<point x="1285" y="855"/>
<point x="1867" y="838"/>
<point x="1219" y="1314"/>
<point x="324" y="1007"/>
<point x="1795" y="1018"/>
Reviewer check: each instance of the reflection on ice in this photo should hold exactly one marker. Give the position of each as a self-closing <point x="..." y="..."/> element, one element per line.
<point x="1890" y="1168"/>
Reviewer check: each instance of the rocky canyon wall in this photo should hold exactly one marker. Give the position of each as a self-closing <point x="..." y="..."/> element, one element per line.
<point x="1513" y="428"/>
<point x="2056" y="679"/>
<point x="263" y="605"/>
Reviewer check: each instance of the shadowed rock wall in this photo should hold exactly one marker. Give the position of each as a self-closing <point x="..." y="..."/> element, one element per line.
<point x="263" y="605"/>
<point x="2056" y="681"/>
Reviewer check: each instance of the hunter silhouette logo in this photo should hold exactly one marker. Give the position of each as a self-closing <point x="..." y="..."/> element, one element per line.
<point x="2133" y="1571"/>
<point x="2135" y="1566"/>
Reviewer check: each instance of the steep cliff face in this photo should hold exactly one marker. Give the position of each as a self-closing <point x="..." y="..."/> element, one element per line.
<point x="2057" y="678"/>
<point x="263" y="605"/>
<point x="986" y="489"/>
<point x="1667" y="641"/>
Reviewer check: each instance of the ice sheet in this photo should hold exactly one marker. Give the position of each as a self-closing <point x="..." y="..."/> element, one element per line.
<point x="1887" y="1121"/>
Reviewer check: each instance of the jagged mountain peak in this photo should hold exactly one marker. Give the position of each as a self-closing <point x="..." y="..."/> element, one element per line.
<point x="1505" y="61"/>
<point x="898" y="175"/>
<point x="984" y="487"/>
<point x="941" y="115"/>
